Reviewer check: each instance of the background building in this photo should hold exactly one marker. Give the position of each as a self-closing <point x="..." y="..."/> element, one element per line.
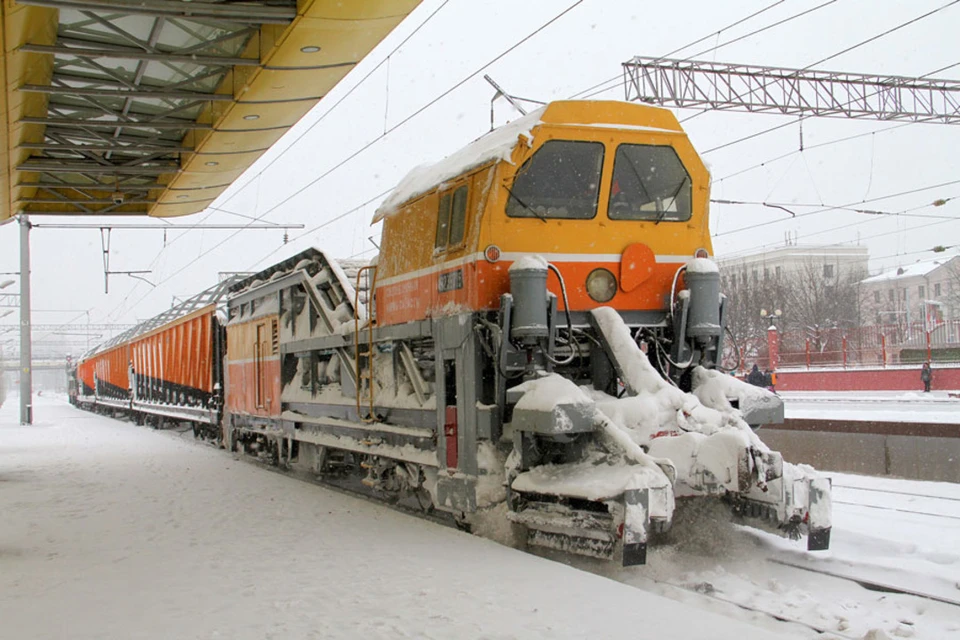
<point x="926" y="292"/>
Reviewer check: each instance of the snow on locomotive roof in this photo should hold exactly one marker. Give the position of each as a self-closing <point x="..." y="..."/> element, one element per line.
<point x="496" y="145"/>
<point x="499" y="143"/>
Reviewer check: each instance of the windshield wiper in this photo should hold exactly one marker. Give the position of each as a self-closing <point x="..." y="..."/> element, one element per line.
<point x="525" y="205"/>
<point x="663" y="213"/>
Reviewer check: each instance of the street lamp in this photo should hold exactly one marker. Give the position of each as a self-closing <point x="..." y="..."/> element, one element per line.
<point x="773" y="315"/>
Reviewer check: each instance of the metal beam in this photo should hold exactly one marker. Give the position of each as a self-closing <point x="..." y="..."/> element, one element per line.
<point x="126" y="188"/>
<point x="75" y="326"/>
<point x="127" y="93"/>
<point x="64" y="167"/>
<point x="42" y="146"/>
<point x="138" y="213"/>
<point x="111" y="124"/>
<point x="164" y="227"/>
<point x="797" y="92"/>
<point x="246" y="13"/>
<point x="140" y="54"/>
<point x="84" y="202"/>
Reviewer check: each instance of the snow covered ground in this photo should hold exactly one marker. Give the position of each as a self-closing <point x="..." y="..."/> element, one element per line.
<point x="883" y="406"/>
<point x="113" y="531"/>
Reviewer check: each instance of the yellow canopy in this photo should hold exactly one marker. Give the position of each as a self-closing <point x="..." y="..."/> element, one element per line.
<point x="154" y="107"/>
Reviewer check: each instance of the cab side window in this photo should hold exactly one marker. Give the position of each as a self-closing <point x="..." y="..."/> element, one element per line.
<point x="451" y="219"/>
<point x="443" y="221"/>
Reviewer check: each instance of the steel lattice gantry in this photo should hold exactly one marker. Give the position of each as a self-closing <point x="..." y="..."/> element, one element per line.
<point x="156" y="106"/>
<point x="738" y="87"/>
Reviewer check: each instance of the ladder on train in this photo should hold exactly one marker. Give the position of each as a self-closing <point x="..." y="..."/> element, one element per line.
<point x="364" y="376"/>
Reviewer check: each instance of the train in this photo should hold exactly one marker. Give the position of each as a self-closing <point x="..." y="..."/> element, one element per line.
<point x="535" y="352"/>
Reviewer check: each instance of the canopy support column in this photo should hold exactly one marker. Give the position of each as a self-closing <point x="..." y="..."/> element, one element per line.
<point x="26" y="376"/>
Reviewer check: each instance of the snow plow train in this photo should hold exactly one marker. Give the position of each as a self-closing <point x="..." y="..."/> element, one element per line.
<point x="535" y="350"/>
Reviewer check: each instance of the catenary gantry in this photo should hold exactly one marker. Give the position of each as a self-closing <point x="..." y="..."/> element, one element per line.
<point x="155" y="106"/>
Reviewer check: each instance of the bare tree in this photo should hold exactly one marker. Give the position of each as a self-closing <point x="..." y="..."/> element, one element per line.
<point x="817" y="302"/>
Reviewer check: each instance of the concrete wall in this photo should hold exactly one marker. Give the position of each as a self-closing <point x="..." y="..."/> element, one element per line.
<point x="902" y="456"/>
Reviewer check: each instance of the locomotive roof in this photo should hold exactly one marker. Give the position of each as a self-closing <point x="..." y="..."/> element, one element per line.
<point x="498" y="145"/>
<point x="210" y="296"/>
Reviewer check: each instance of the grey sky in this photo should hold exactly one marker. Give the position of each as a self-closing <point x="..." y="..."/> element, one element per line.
<point x="581" y="49"/>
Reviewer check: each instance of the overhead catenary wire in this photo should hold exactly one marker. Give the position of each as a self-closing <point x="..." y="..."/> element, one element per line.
<point x="211" y="210"/>
<point x="737" y="39"/>
<point x="396" y="126"/>
<point x="259" y="174"/>
<point x="688" y="45"/>
<point x="851" y="204"/>
<point x="945" y="219"/>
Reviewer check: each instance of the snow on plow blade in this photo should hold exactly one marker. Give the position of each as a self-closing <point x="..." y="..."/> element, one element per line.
<point x="603" y="498"/>
<point x="713" y="449"/>
<point x="584" y="508"/>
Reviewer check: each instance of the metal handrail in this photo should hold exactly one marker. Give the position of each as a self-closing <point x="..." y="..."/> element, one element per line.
<point x="371" y="321"/>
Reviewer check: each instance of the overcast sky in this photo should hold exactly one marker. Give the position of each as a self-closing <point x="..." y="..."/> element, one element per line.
<point x="581" y="49"/>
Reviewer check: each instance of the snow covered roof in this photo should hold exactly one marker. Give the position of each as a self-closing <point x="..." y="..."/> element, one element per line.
<point x="500" y="143"/>
<point x="496" y="145"/>
<point x="910" y="271"/>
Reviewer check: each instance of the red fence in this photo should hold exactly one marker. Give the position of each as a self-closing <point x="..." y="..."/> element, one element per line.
<point x="880" y="345"/>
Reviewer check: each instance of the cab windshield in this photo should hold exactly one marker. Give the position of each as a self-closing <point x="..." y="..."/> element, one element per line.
<point x="560" y="180"/>
<point x="649" y="183"/>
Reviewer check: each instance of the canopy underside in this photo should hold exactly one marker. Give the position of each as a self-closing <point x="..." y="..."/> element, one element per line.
<point x="154" y="107"/>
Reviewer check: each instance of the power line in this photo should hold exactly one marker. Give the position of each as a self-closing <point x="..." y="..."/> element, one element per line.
<point x="935" y="203"/>
<point x="885" y="33"/>
<point x="688" y="45"/>
<point x="815" y="146"/>
<point x="327" y="223"/>
<point x="259" y="174"/>
<point x="737" y="39"/>
<point x="385" y="134"/>
<point x="851" y="204"/>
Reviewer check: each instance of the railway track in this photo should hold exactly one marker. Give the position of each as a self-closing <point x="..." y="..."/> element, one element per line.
<point x="866" y="582"/>
<point x="931" y="501"/>
<point x="898" y="493"/>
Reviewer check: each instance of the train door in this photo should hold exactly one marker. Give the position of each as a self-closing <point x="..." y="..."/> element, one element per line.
<point x="258" y="368"/>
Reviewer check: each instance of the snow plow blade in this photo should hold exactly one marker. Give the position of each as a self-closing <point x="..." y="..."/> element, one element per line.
<point x="619" y="533"/>
<point x="714" y="450"/>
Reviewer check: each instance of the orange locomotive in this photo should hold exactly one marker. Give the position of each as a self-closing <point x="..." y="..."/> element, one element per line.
<point x="539" y="346"/>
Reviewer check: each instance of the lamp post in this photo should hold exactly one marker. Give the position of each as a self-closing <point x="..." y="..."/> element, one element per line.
<point x="773" y="337"/>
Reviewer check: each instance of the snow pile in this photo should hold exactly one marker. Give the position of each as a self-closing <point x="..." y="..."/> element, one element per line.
<point x="707" y="441"/>
<point x="612" y="465"/>
<point x="529" y="263"/>
<point x="496" y="145"/>
<point x="545" y="393"/>
<point x="702" y="265"/>
<point x="656" y="407"/>
<point x="714" y="389"/>
<point x="597" y="477"/>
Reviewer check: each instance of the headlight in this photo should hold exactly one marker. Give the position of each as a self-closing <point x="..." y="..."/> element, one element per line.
<point x="601" y="285"/>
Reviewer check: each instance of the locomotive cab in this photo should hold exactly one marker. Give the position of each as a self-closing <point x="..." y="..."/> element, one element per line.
<point x="612" y="195"/>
